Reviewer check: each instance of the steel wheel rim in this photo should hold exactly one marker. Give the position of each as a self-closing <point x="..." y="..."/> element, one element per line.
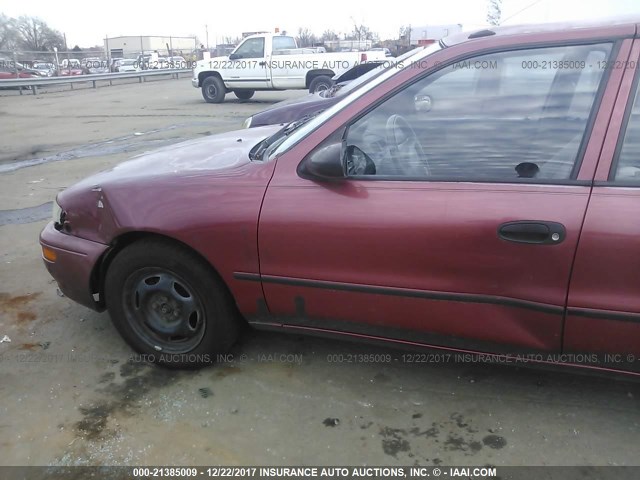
<point x="164" y="310"/>
<point x="321" y="88"/>
<point x="211" y="90"/>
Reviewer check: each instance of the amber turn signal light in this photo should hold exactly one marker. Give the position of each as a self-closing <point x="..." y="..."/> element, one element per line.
<point x="49" y="254"/>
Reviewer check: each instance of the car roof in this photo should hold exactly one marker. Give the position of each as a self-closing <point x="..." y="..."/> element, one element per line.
<point x="612" y="27"/>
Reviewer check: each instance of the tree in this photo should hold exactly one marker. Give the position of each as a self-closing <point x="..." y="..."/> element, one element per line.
<point x="361" y="32"/>
<point x="494" y="12"/>
<point x="405" y="34"/>
<point x="329" y="35"/>
<point x="8" y="33"/>
<point x="305" y="37"/>
<point x="35" y="35"/>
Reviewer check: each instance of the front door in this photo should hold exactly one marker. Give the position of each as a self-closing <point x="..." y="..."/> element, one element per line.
<point x="461" y="213"/>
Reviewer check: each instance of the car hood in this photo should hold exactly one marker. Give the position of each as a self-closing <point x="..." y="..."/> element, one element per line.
<point x="222" y="155"/>
<point x="196" y="172"/>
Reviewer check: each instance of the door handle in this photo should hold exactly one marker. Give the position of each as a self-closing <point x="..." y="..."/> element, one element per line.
<point x="532" y="231"/>
<point x="262" y="64"/>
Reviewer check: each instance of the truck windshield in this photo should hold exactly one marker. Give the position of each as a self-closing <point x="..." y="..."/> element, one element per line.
<point x="314" y="123"/>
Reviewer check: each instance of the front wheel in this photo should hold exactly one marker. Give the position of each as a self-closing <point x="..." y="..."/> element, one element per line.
<point x="320" y="84"/>
<point x="169" y="305"/>
<point x="213" y="89"/>
<point x="244" y="94"/>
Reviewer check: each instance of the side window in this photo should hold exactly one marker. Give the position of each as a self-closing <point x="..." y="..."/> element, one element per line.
<point x="628" y="165"/>
<point x="497" y="117"/>
<point x="283" y="43"/>
<point x="252" y="48"/>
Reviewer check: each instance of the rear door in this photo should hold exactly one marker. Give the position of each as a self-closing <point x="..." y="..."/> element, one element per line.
<point x="465" y="231"/>
<point x="603" y="315"/>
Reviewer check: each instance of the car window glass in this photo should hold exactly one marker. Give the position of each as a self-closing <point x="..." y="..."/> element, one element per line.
<point x="496" y="117"/>
<point x="628" y="165"/>
<point x="251" y="48"/>
<point x="283" y="43"/>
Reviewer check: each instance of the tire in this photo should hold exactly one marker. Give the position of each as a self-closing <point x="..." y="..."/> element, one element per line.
<point x="244" y="94"/>
<point x="320" y="83"/>
<point x="169" y="305"/>
<point x="213" y="89"/>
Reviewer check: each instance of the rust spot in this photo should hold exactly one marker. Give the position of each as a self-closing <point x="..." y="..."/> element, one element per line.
<point x="29" y="346"/>
<point x="15" y="305"/>
<point x="23" y="317"/>
<point x="8" y="301"/>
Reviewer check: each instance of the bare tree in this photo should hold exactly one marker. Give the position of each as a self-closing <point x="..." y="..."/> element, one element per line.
<point x="8" y="33"/>
<point x="329" y="35"/>
<point x="494" y="12"/>
<point x="405" y="34"/>
<point x="305" y="37"/>
<point x="35" y="35"/>
<point x="229" y="40"/>
<point x="361" y="32"/>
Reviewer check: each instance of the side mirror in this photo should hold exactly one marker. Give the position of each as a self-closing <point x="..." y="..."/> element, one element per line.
<point x="234" y="56"/>
<point x="324" y="163"/>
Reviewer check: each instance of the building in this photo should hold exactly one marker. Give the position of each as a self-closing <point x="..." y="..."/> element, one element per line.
<point x="134" y="45"/>
<point x="432" y="33"/>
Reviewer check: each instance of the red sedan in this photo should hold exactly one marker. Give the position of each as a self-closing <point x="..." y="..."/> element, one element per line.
<point x="482" y="197"/>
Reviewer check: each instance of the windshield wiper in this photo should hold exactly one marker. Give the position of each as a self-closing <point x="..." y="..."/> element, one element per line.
<point x="279" y="136"/>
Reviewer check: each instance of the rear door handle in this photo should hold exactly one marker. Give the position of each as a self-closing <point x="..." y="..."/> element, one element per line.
<point x="533" y="231"/>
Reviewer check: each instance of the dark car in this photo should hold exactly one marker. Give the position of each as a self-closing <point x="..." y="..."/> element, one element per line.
<point x="482" y="200"/>
<point x="297" y="108"/>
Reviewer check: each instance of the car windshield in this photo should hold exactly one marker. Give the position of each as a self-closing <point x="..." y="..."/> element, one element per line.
<point x="325" y="115"/>
<point x="341" y="90"/>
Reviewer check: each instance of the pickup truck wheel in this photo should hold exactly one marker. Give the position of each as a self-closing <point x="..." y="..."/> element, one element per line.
<point x="244" y="94"/>
<point x="320" y="84"/>
<point x="213" y="90"/>
<point x="169" y="305"/>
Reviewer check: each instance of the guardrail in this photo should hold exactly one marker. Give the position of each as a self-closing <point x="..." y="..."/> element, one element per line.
<point x="35" y="82"/>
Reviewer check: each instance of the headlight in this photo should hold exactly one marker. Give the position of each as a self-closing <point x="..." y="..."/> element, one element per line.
<point x="57" y="213"/>
<point x="247" y="123"/>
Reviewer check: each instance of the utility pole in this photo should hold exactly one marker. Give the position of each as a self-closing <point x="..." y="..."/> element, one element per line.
<point x="206" y="29"/>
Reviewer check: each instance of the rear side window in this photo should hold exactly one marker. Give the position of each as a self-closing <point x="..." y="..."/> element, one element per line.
<point x="628" y="167"/>
<point x="496" y="117"/>
<point x="283" y="43"/>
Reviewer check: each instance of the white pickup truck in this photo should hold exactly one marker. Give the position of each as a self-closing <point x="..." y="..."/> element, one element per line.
<point x="272" y="62"/>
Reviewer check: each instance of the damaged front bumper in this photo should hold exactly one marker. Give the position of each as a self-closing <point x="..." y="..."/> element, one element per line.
<point x="72" y="261"/>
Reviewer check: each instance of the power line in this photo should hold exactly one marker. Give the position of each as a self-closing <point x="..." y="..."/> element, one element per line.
<point x="520" y="11"/>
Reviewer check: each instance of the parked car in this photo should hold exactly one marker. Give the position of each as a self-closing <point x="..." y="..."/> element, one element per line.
<point x="9" y="73"/>
<point x="44" y="69"/>
<point x="113" y="64"/>
<point x="297" y="108"/>
<point x="71" y="67"/>
<point x="483" y="201"/>
<point x="95" y="65"/>
<point x="177" y="62"/>
<point x="127" y="65"/>
<point x="386" y="51"/>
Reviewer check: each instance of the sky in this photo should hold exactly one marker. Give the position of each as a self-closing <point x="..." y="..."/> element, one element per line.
<point x="87" y="24"/>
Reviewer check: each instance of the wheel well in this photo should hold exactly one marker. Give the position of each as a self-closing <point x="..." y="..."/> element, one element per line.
<point x="120" y="243"/>
<point x="204" y="75"/>
<point x="311" y="74"/>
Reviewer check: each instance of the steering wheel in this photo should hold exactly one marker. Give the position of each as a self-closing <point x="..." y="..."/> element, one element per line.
<point x="407" y="156"/>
